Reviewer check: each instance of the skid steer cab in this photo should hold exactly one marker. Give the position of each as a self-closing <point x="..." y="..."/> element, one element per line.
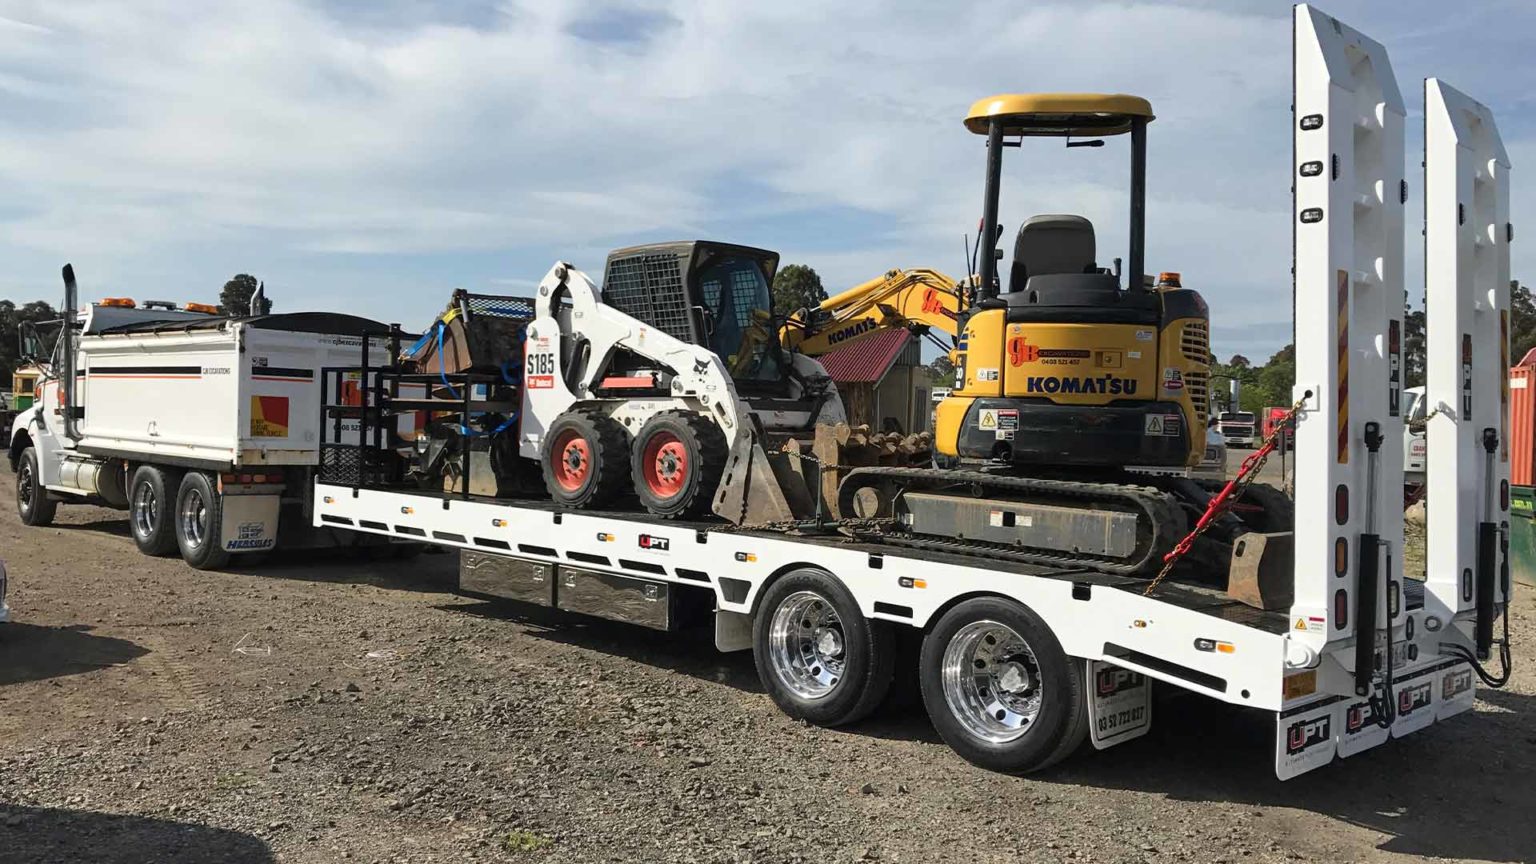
<point x="670" y="383"/>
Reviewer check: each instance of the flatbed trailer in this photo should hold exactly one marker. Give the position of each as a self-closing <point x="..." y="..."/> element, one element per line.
<point x="1020" y="663"/>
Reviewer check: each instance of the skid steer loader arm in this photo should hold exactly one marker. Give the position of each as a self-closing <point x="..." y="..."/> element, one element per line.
<point x="570" y="345"/>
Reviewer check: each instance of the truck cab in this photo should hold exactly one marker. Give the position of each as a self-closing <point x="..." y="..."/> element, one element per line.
<point x="1238" y="428"/>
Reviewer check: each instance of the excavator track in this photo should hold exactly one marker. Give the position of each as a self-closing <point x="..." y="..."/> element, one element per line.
<point x="1161" y="522"/>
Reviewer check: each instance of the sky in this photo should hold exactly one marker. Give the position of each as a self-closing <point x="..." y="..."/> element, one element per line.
<point x="370" y="156"/>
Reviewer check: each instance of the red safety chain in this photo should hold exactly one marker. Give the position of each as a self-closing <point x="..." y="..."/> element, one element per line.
<point x="1228" y="496"/>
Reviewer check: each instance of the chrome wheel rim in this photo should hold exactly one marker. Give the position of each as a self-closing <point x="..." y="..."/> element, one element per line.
<point x="806" y="645"/>
<point x="194" y="519"/>
<point x="146" y="510"/>
<point x="992" y="681"/>
<point x="25" y="487"/>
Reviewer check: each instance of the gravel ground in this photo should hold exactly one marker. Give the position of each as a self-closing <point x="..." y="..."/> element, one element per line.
<point x="319" y="708"/>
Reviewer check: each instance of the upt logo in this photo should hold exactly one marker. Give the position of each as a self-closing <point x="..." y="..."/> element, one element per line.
<point x="1305" y="733"/>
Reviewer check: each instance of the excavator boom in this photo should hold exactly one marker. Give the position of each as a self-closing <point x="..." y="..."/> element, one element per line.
<point x="897" y="298"/>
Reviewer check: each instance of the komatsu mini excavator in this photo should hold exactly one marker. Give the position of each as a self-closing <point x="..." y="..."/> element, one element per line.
<point x="1080" y="392"/>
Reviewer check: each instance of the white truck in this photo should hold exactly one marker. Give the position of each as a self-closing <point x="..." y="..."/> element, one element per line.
<point x="205" y="428"/>
<point x="1021" y="662"/>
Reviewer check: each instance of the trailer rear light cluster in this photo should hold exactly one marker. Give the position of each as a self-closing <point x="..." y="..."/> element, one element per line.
<point x="232" y="479"/>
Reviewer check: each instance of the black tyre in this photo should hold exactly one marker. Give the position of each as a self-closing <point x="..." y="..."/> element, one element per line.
<point x="817" y="655"/>
<point x="151" y="509"/>
<point x="677" y="462"/>
<point x="999" y="688"/>
<point x="586" y="459"/>
<point x="199" y="520"/>
<point x="32" y="502"/>
<point x="1265" y="508"/>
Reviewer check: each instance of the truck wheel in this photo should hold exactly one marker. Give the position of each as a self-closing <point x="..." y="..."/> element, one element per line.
<point x="999" y="688"/>
<point x="199" y="519"/>
<point x="32" y="502"/>
<point x="151" y="500"/>
<point x="817" y="655"/>
<point x="677" y="462"/>
<point x="585" y="459"/>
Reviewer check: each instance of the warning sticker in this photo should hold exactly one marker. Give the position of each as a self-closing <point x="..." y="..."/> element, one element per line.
<point x="269" y="416"/>
<point x="1163" y="425"/>
<point x="986" y="374"/>
<point x="988" y="419"/>
<point x="1143" y="335"/>
<point x="1173" y="379"/>
<point x="1007" y="418"/>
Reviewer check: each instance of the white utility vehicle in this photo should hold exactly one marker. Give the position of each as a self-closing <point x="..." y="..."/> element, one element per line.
<point x="1020" y="662"/>
<point x="205" y="428"/>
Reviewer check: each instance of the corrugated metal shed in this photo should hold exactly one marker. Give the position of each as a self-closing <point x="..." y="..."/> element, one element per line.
<point x="868" y="360"/>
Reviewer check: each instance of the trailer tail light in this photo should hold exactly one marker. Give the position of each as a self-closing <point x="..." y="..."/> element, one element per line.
<point x="1340" y="609"/>
<point x="1340" y="557"/>
<point x="1341" y="504"/>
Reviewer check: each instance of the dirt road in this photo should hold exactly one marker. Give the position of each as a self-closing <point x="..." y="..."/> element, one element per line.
<point x="324" y="709"/>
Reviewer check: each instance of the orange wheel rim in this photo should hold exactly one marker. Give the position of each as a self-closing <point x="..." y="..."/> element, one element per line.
<point x="665" y="464"/>
<point x="573" y="460"/>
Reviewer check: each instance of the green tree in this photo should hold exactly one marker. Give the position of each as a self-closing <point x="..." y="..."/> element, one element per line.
<point x="941" y="371"/>
<point x="795" y="287"/>
<point x="235" y="299"/>
<point x="11" y="318"/>
<point x="1413" y="347"/>
<point x="1522" y="321"/>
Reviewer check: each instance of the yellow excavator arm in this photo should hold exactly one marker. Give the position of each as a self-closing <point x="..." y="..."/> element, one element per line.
<point x="897" y="298"/>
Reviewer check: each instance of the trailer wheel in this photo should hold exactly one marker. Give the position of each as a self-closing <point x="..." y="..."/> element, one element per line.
<point x="151" y="502"/>
<point x="677" y="462"/>
<point x="999" y="688"/>
<point x="32" y="502"/>
<point x="586" y="457"/>
<point x="817" y="655"/>
<point x="199" y="520"/>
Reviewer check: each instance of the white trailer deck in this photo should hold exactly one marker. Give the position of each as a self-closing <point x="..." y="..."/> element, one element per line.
<point x="1364" y="653"/>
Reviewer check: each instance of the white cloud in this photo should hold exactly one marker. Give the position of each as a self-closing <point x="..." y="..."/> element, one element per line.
<point x="396" y="149"/>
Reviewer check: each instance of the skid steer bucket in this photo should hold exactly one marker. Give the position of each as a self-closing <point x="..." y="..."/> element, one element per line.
<point x="758" y="488"/>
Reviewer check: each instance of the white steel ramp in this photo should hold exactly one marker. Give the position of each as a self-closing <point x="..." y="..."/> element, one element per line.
<point x="1467" y="234"/>
<point x="1349" y="194"/>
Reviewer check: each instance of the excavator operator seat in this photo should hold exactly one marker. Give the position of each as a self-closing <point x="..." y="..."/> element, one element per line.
<point x="1052" y="244"/>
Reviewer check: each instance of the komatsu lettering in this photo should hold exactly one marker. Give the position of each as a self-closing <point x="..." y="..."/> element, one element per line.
<point x="1102" y="384"/>
<point x="849" y="332"/>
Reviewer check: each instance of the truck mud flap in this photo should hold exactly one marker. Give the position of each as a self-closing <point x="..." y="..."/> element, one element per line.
<point x="249" y="522"/>
<point x="1304" y="737"/>
<point x="1119" y="704"/>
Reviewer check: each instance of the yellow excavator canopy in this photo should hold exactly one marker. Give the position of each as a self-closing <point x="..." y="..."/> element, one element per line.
<point x="1086" y="114"/>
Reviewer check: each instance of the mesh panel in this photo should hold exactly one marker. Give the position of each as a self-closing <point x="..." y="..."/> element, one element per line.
<point x="650" y="288"/>
<point x="493" y="306"/>
<point x="341" y="464"/>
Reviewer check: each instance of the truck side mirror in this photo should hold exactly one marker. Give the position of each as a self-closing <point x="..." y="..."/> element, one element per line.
<point x="31" y="346"/>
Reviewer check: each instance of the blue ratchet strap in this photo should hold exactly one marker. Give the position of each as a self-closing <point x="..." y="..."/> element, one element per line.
<point x="442" y="364"/>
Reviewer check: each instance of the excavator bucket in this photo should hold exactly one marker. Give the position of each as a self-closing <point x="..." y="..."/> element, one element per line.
<point x="759" y="489"/>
